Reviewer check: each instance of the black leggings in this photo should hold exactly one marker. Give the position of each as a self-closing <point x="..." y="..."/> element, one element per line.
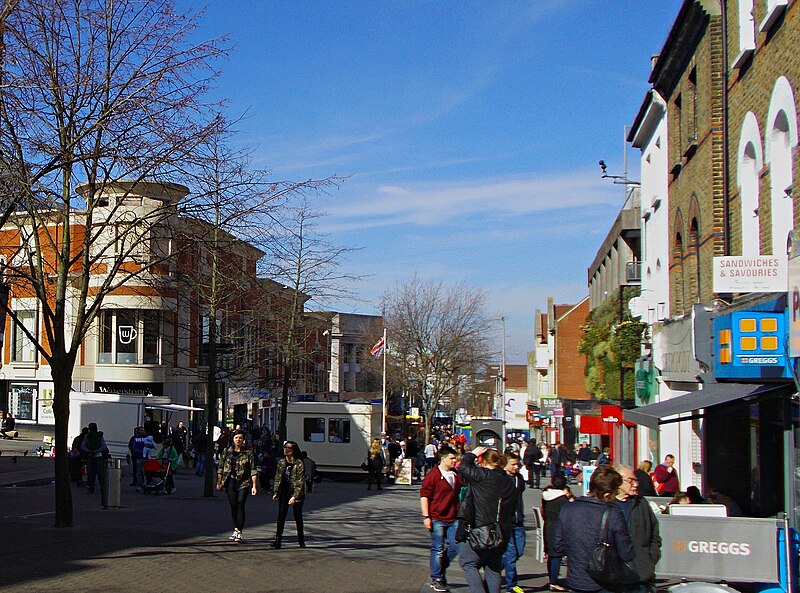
<point x="297" y="511"/>
<point x="237" y="498"/>
<point x="374" y="475"/>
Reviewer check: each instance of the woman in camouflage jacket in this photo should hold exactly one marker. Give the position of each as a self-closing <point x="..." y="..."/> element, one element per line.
<point x="238" y="476"/>
<point x="290" y="491"/>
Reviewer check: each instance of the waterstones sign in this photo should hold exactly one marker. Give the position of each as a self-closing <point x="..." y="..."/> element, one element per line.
<point x="761" y="273"/>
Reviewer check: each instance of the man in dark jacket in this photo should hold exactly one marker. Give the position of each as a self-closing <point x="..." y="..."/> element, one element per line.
<point x="516" y="545"/>
<point x="643" y="529"/>
<point x="531" y="460"/>
<point x="492" y="497"/>
<point x="578" y="528"/>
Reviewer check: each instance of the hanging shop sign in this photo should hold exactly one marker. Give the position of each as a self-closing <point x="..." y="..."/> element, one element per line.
<point x="761" y="273"/>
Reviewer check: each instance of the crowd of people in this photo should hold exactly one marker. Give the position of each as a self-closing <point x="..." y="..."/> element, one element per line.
<point x="470" y="500"/>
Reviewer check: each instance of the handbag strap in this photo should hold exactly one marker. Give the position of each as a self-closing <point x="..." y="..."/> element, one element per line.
<point x="604" y="526"/>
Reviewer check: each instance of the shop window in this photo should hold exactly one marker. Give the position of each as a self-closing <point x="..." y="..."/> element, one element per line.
<point x="24" y="348"/>
<point x="338" y="430"/>
<point x="22" y="401"/>
<point x="314" y="430"/>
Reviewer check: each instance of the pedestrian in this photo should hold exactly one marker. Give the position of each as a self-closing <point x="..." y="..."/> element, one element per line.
<point x="140" y="445"/>
<point x="8" y="426"/>
<point x="554" y="497"/>
<point x="96" y="451"/>
<point x="605" y="457"/>
<point x="645" y="482"/>
<point x="170" y="453"/>
<point x="665" y="477"/>
<point x="77" y="459"/>
<point x="289" y="491"/>
<point x="180" y="440"/>
<point x="516" y="544"/>
<point x="430" y="455"/>
<point x="531" y="459"/>
<point x="439" y="504"/>
<point x="376" y="461"/>
<point x="238" y="476"/>
<point x="643" y="530"/>
<point x="199" y="446"/>
<point x="578" y="529"/>
<point x="491" y="497"/>
<point x="694" y="495"/>
<point x="584" y="455"/>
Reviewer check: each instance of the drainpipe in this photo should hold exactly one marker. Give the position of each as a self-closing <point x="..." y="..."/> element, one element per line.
<point x="726" y="183"/>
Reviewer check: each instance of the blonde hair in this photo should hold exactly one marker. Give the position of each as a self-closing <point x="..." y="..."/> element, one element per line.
<point x="374" y="448"/>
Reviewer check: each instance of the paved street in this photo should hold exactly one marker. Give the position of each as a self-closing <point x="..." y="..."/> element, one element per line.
<point x="359" y="541"/>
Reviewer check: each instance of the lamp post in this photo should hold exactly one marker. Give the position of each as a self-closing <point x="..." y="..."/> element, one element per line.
<point x="502" y="376"/>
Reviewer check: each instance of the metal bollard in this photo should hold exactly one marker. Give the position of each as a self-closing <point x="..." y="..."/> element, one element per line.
<point x="115" y="484"/>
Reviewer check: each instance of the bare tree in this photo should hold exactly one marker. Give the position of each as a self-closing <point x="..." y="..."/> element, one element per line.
<point x="302" y="259"/>
<point x="93" y="92"/>
<point x="437" y="337"/>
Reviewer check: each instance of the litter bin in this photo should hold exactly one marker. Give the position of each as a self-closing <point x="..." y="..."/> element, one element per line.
<point x="115" y="483"/>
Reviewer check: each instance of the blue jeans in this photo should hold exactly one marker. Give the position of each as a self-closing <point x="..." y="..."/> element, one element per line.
<point x="442" y="534"/>
<point x="516" y="546"/>
<point x="472" y="562"/>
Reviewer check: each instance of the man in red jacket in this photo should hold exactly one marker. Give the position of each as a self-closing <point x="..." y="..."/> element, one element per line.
<point x="439" y="504"/>
<point x="665" y="477"/>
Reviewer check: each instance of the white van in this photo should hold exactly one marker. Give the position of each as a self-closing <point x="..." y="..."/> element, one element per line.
<point x="336" y="435"/>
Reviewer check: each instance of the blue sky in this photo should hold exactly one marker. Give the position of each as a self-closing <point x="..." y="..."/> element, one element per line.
<point x="469" y="131"/>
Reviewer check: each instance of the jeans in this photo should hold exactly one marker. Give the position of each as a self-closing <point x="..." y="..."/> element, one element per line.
<point x="97" y="467"/>
<point x="201" y="463"/>
<point x="138" y="472"/>
<point x="443" y="547"/>
<point x="553" y="568"/>
<point x="283" y="510"/>
<point x="492" y="564"/>
<point x="516" y="546"/>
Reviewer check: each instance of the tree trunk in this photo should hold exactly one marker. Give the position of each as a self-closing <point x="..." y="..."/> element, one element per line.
<point x="210" y="475"/>
<point x="287" y="379"/>
<point x="62" y="382"/>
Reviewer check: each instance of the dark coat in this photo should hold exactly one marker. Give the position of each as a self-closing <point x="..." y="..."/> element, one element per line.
<point x="486" y="487"/>
<point x="552" y="501"/>
<point x="577" y="535"/>
<point x="646" y="539"/>
<point x="646" y="487"/>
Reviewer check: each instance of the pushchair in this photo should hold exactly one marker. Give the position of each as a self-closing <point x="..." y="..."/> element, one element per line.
<point x="156" y="472"/>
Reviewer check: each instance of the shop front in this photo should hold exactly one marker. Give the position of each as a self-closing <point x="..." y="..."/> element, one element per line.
<point x="750" y="416"/>
<point x="614" y="432"/>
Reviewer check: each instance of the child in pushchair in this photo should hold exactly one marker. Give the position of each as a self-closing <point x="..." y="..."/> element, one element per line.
<point x="156" y="474"/>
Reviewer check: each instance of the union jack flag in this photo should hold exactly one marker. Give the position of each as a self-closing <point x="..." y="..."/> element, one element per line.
<point x="378" y="349"/>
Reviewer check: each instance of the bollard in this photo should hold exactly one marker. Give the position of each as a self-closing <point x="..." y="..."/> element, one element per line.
<point x="115" y="483"/>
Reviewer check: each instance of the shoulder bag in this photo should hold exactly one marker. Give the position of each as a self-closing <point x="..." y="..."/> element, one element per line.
<point x="486" y="537"/>
<point x="605" y="566"/>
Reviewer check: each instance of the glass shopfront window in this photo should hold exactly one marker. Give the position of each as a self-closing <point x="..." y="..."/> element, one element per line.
<point x="22" y="401"/>
<point x="129" y="336"/>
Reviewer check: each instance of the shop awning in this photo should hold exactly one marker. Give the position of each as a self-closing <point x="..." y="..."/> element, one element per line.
<point x="713" y="394"/>
<point x="175" y="408"/>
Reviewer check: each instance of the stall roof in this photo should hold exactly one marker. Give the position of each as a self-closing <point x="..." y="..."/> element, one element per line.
<point x="711" y="395"/>
<point x="175" y="408"/>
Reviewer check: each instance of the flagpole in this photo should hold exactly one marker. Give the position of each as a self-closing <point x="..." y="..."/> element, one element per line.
<point x="383" y="408"/>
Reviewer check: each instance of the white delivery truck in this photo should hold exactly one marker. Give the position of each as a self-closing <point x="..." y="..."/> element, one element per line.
<point x="336" y="435"/>
<point x="117" y="415"/>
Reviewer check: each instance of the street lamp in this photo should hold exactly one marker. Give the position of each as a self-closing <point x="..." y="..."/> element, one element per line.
<point x="502" y="376"/>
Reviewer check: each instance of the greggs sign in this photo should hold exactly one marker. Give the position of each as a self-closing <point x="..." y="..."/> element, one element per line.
<point x="729" y="548"/>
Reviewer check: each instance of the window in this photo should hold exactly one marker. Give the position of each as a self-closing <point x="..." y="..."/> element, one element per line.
<point x="314" y="430"/>
<point x="24" y="349"/>
<point x="338" y="430"/>
<point x="747" y="33"/>
<point x="128" y="336"/>
<point x="205" y="338"/>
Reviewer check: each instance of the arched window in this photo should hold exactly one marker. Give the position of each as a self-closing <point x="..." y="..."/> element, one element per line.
<point x="780" y="139"/>
<point x="678" y="298"/>
<point x="750" y="162"/>
<point x="692" y="265"/>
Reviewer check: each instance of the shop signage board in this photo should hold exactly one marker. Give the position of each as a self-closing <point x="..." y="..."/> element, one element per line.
<point x="794" y="296"/>
<point x="549" y="406"/>
<point x="759" y="273"/>
<point x="730" y="548"/>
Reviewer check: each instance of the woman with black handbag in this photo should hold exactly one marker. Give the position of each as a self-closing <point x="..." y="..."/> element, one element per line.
<point x="488" y="512"/>
<point x="590" y="525"/>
